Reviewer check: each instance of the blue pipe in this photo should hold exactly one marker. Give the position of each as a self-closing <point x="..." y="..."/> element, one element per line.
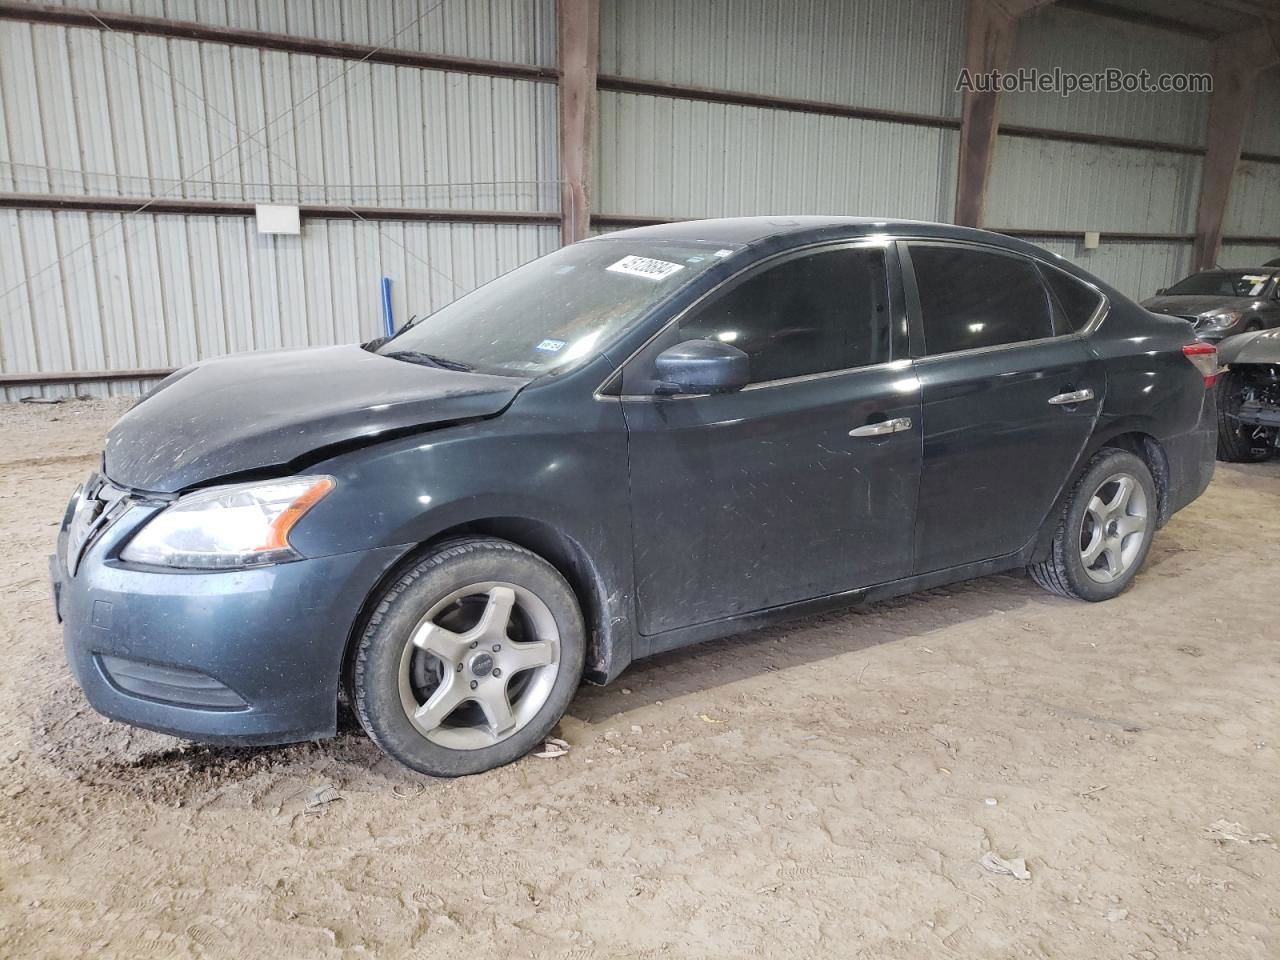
<point x="387" y="317"/>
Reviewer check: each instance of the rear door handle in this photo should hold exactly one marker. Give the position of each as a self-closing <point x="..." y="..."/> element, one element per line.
<point x="897" y="425"/>
<point x="1074" y="396"/>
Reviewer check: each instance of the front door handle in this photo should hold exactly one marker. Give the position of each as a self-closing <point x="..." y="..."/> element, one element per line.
<point x="1073" y="396"/>
<point x="897" y="425"/>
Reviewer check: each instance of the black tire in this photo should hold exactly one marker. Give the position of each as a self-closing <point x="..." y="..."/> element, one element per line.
<point x="374" y="677"/>
<point x="1235" y="441"/>
<point x="1064" y="572"/>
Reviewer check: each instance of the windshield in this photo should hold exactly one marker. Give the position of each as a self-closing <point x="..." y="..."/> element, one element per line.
<point x="1221" y="283"/>
<point x="557" y="310"/>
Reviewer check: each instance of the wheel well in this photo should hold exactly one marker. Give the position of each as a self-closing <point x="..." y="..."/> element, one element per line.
<point x="1148" y="449"/>
<point x="563" y="553"/>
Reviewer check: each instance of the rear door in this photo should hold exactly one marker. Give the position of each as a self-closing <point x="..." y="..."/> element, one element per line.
<point x="1010" y="394"/>
<point x="759" y="498"/>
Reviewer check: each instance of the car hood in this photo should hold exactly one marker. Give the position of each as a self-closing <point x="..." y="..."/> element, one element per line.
<point x="1261" y="346"/>
<point x="259" y="411"/>
<point x="1195" y="306"/>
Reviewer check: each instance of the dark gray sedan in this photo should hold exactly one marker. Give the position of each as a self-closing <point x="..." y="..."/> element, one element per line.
<point x="640" y="441"/>
<point x="1221" y="303"/>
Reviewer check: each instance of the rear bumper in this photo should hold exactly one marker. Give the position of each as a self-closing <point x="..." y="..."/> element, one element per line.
<point x="244" y="656"/>
<point x="1193" y="455"/>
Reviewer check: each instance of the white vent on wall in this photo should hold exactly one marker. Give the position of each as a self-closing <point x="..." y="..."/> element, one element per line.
<point x="278" y="218"/>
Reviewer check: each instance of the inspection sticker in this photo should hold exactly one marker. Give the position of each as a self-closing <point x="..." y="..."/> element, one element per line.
<point x="645" y="267"/>
<point x="551" y="346"/>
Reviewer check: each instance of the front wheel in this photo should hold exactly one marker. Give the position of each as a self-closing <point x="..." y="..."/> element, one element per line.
<point x="1105" y="530"/>
<point x="469" y="659"/>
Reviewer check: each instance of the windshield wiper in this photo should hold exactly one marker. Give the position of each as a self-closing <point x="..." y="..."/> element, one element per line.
<point x="429" y="360"/>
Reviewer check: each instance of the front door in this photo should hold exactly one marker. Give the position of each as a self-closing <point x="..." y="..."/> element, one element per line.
<point x="755" y="499"/>
<point x="1010" y="394"/>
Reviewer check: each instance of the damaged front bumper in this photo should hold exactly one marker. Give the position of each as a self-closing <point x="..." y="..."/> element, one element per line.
<point x="234" y="656"/>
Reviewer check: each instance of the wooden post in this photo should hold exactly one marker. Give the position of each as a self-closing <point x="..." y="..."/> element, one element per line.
<point x="1237" y="61"/>
<point x="579" y="57"/>
<point x="991" y="32"/>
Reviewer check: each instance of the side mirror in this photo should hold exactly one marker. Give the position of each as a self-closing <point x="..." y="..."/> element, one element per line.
<point x="702" y="366"/>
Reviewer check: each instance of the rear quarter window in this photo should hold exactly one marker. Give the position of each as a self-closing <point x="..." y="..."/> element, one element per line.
<point x="1074" y="302"/>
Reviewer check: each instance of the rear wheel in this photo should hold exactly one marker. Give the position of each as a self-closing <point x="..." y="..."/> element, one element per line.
<point x="1105" y="530"/>
<point x="1238" y="442"/>
<point x="470" y="658"/>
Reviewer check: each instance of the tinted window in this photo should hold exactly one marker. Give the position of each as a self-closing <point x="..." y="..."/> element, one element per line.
<point x="812" y="314"/>
<point x="969" y="298"/>
<point x="1074" y="304"/>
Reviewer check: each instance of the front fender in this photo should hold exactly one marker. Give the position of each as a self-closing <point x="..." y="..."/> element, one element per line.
<point x="1260" y="346"/>
<point x="548" y="481"/>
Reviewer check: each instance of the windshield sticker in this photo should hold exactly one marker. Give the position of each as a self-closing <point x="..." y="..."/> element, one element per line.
<point x="551" y="346"/>
<point x="723" y="253"/>
<point x="646" y="267"/>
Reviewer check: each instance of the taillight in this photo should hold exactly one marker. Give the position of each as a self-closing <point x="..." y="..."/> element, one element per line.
<point x="1204" y="356"/>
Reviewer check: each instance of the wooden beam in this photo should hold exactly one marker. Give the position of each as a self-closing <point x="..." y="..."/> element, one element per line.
<point x="738" y="98"/>
<point x="260" y="40"/>
<point x="239" y="208"/>
<point x="579" y="57"/>
<point x="992" y="30"/>
<point x="619" y="221"/>
<point x="79" y="376"/>
<point x="1237" y="61"/>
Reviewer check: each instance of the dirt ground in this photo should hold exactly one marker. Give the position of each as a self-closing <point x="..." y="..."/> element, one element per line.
<point x="823" y="789"/>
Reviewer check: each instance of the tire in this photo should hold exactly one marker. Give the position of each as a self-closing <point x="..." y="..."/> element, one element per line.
<point x="1093" y="557"/>
<point x="493" y="623"/>
<point x="1235" y="442"/>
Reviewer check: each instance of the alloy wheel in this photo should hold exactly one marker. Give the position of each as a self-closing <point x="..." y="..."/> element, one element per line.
<point x="480" y="665"/>
<point x="1114" y="528"/>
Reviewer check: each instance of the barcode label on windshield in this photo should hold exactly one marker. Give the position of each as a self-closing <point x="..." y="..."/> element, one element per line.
<point x="645" y="267"/>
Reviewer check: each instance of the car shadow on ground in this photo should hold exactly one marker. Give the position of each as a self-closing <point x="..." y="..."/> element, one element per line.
<point x="705" y="666"/>
<point x="80" y="744"/>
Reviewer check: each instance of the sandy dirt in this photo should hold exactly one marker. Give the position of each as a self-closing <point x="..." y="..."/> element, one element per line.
<point x="823" y="789"/>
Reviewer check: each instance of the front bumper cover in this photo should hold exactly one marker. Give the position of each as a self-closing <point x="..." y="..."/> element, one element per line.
<point x="144" y="643"/>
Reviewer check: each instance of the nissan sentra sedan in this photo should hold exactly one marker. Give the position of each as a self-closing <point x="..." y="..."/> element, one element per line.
<point x="640" y="441"/>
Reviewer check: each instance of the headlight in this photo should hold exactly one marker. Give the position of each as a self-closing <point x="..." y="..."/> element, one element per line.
<point x="1219" y="321"/>
<point x="243" y="525"/>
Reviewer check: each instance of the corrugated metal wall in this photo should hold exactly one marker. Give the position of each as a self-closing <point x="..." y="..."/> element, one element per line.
<point x="112" y="114"/>
<point x="760" y="161"/>
<point x="894" y="56"/>
<point x="517" y="31"/>
<point x="906" y="57"/>
<point x="1081" y="42"/>
<point x="902" y="56"/>
<point x="92" y="112"/>
<point x="163" y="291"/>
<point x="85" y="111"/>
<point x="1047" y="184"/>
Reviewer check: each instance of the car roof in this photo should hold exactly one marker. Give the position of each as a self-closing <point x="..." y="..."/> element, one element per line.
<point x="787" y="231"/>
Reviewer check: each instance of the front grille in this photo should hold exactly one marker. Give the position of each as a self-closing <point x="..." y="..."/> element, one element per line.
<point x="98" y="505"/>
